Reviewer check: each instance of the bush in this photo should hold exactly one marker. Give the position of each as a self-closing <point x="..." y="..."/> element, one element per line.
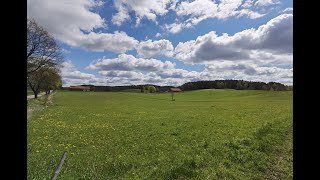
<point x="148" y="89"/>
<point x="151" y="89"/>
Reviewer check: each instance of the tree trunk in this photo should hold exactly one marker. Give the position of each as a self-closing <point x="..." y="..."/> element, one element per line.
<point x="35" y="95"/>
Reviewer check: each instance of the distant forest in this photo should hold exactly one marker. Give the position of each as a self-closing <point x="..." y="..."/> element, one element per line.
<point x="235" y="84"/>
<point x="216" y="84"/>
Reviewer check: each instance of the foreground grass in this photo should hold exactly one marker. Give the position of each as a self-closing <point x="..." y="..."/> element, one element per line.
<point x="208" y="134"/>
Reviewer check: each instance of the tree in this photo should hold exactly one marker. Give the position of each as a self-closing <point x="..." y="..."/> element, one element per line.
<point x="234" y="84"/>
<point x="34" y="81"/>
<point x="45" y="78"/>
<point x="151" y="89"/>
<point x="51" y="80"/>
<point x="145" y="89"/>
<point x="239" y="85"/>
<point x="148" y="89"/>
<point x="43" y="59"/>
<point x="42" y="49"/>
<point x="221" y="85"/>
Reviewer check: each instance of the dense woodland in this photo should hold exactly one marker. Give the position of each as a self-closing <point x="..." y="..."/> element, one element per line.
<point x="235" y="84"/>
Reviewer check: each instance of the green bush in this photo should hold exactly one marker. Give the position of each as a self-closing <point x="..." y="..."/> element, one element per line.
<point x="151" y="89"/>
<point x="148" y="89"/>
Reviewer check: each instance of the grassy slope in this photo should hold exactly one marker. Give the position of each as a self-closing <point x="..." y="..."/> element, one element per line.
<point x="219" y="134"/>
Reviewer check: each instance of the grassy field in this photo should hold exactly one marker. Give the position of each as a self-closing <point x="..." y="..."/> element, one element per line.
<point x="206" y="134"/>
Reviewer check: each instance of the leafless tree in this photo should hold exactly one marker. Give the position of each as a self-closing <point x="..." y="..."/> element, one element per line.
<point x="42" y="49"/>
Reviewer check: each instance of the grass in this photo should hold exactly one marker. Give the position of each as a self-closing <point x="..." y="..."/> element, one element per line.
<point x="206" y="134"/>
<point x="34" y="106"/>
<point x="29" y="93"/>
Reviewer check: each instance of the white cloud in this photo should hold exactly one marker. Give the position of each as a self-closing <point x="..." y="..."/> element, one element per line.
<point x="266" y="2"/>
<point x="142" y="9"/>
<point x="155" y="48"/>
<point x="118" y="42"/>
<point x="266" y="43"/>
<point x="77" y="75"/>
<point x="247" y="71"/>
<point x="253" y="54"/>
<point x="228" y="8"/>
<point x="72" y="76"/>
<point x="247" y="3"/>
<point x="127" y="69"/>
<point x="121" y="16"/>
<point x="73" y="22"/>
<point x="288" y="10"/>
<point x="158" y="35"/>
<point x="174" y="27"/>
<point x="122" y="74"/>
<point x="197" y="8"/>
<point x="250" y="14"/>
<point x="196" y="11"/>
<point x="68" y="66"/>
<point x="126" y="62"/>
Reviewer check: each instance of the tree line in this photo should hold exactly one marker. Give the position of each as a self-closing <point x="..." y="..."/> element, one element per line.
<point x="216" y="84"/>
<point x="43" y="60"/>
<point x="146" y="88"/>
<point x="235" y="84"/>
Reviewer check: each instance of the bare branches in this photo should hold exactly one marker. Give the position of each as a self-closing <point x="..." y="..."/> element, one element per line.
<point x="42" y="49"/>
<point x="43" y="59"/>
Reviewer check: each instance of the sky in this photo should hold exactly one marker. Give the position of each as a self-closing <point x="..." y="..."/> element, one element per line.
<point x="169" y="42"/>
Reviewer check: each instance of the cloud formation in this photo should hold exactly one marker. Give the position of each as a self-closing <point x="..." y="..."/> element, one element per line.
<point x="264" y="43"/>
<point x="193" y="12"/>
<point x="73" y="22"/>
<point x="155" y="48"/>
<point x="266" y="2"/>
<point x="190" y="13"/>
<point x="247" y="71"/>
<point x="72" y="76"/>
<point x="260" y="54"/>
<point x="140" y="70"/>
<point x="288" y="10"/>
<point x="126" y="62"/>
<point x="127" y="69"/>
<point x="142" y="9"/>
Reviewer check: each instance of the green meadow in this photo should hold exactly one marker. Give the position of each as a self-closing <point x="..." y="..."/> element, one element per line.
<point x="204" y="134"/>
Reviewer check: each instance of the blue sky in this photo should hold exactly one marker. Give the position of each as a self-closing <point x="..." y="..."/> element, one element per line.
<point x="169" y="42"/>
